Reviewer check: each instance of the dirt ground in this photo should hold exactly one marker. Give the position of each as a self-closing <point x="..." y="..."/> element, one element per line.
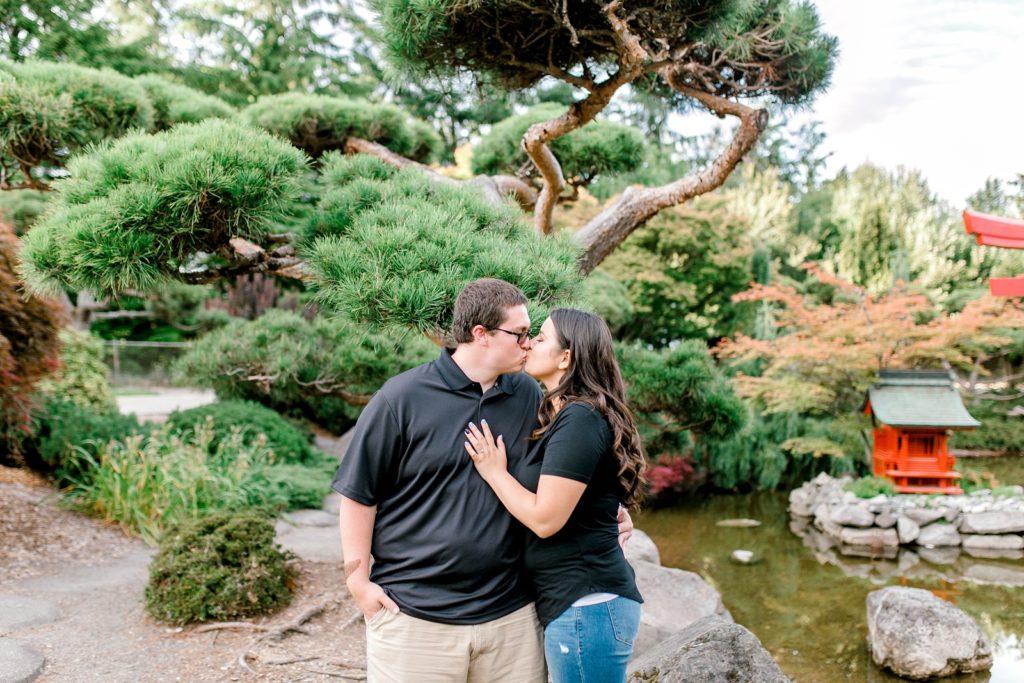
<point x="95" y="575"/>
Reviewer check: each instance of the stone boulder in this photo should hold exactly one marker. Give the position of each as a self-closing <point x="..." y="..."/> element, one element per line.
<point x="853" y="515"/>
<point x="799" y="502"/>
<point x="993" y="522"/>
<point x="993" y="542"/>
<point x="919" y="636"/>
<point x="708" y="651"/>
<point x="938" y="535"/>
<point x="641" y="547"/>
<point x="924" y="516"/>
<point x="872" y="538"/>
<point x="673" y="599"/>
<point x="907" y="529"/>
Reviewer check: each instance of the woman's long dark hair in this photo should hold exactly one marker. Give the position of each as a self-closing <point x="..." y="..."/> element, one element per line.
<point x="594" y="378"/>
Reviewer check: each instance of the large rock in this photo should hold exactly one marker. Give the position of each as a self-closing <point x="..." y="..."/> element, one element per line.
<point x="938" y="535"/>
<point x="641" y="547"/>
<point x="924" y="516"/>
<point x="918" y="636"/>
<point x="19" y="664"/>
<point x="994" y="522"/>
<point x="673" y="599"/>
<point x="708" y="651"/>
<point x="799" y="502"/>
<point x="853" y="515"/>
<point x="907" y="529"/>
<point x="992" y="542"/>
<point x="874" y="537"/>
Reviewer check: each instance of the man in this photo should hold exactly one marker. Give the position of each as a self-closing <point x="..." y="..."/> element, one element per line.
<point x="446" y="599"/>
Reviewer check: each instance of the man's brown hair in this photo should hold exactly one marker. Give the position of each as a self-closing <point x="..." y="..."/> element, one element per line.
<point x="483" y="302"/>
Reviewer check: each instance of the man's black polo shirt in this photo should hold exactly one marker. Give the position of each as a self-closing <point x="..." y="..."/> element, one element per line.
<point x="444" y="547"/>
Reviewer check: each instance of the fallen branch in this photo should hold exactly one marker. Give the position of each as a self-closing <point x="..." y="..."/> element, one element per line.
<point x="279" y="631"/>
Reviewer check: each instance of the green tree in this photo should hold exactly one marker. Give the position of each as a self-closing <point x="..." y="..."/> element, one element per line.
<point x="681" y="271"/>
<point x="387" y="242"/>
<point x="241" y="50"/>
<point x="70" y="32"/>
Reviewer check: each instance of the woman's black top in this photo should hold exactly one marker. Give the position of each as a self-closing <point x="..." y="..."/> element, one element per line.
<point x="584" y="556"/>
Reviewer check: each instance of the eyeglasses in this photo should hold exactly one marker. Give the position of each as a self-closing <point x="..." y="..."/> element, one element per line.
<point x="521" y="337"/>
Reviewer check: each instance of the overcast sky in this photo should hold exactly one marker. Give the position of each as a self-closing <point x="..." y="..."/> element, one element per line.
<point x="931" y="84"/>
<point x="936" y="85"/>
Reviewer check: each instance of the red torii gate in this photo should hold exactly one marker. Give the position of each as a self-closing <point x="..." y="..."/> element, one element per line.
<point x="994" y="231"/>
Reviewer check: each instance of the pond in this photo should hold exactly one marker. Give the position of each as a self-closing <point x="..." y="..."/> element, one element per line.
<point x="809" y="615"/>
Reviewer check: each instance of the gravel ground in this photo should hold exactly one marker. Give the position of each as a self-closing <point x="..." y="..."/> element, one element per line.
<point x="95" y="576"/>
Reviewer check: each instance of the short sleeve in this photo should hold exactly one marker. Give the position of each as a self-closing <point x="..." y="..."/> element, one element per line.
<point x="371" y="455"/>
<point x="578" y="439"/>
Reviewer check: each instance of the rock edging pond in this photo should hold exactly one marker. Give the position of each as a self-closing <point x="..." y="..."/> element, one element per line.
<point x="978" y="537"/>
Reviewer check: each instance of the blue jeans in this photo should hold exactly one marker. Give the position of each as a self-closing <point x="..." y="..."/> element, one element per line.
<point x="592" y="644"/>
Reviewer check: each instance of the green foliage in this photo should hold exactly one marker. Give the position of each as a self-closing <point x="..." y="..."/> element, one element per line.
<point x="136" y="211"/>
<point x="48" y="110"/>
<point x="321" y="370"/>
<point x="682" y="384"/>
<point x="680" y="288"/>
<point x="869" y="487"/>
<point x="66" y="437"/>
<point x="174" y="103"/>
<point x="239" y="51"/>
<point x="147" y="483"/>
<point x="600" y="147"/>
<point x="998" y="431"/>
<point x="302" y="487"/>
<point x="783" y="449"/>
<point x="397" y="251"/>
<point x="290" y="443"/>
<point x="892" y="227"/>
<point x="83" y="377"/>
<point x="223" y="566"/>
<point x="22" y="208"/>
<point x="974" y="479"/>
<point x="73" y="31"/>
<point x="488" y="38"/>
<point x="608" y="298"/>
<point x="317" y="124"/>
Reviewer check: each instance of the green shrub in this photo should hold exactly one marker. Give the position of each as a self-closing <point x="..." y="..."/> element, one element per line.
<point x="146" y="484"/>
<point x="998" y="431"/>
<point x="318" y="370"/>
<point x="290" y="443"/>
<point x="67" y="438"/>
<point x="600" y="147"/>
<point x="397" y="252"/>
<point x="174" y="103"/>
<point x="320" y="123"/>
<point x="976" y="480"/>
<point x="22" y="208"/>
<point x="83" y="378"/>
<point x="300" y="487"/>
<point x="869" y="487"/>
<point x="223" y="566"/>
<point x="49" y="109"/>
<point x="134" y="211"/>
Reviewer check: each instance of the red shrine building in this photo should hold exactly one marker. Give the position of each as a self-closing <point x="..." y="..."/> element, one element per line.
<point x="913" y="412"/>
<point x="993" y="231"/>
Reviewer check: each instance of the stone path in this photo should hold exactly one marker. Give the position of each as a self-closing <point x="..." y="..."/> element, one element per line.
<point x="88" y="624"/>
<point x="157" y="406"/>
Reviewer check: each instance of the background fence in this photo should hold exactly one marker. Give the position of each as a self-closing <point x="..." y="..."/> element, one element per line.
<point x="140" y="363"/>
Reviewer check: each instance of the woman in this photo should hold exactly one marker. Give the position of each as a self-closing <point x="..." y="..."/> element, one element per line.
<point x="585" y="460"/>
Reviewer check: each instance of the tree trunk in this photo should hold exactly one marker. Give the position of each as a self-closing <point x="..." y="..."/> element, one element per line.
<point x="636" y="206"/>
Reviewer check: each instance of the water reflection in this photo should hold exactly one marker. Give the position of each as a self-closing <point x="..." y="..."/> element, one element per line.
<point x="810" y="613"/>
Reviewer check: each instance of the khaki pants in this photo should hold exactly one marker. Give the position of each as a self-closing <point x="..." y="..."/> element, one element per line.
<point x="403" y="649"/>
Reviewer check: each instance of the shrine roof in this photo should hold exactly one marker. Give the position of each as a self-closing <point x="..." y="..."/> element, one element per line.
<point x="918" y="398"/>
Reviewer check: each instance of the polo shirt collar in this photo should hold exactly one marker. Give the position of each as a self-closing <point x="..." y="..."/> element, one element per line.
<point x="456" y="379"/>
